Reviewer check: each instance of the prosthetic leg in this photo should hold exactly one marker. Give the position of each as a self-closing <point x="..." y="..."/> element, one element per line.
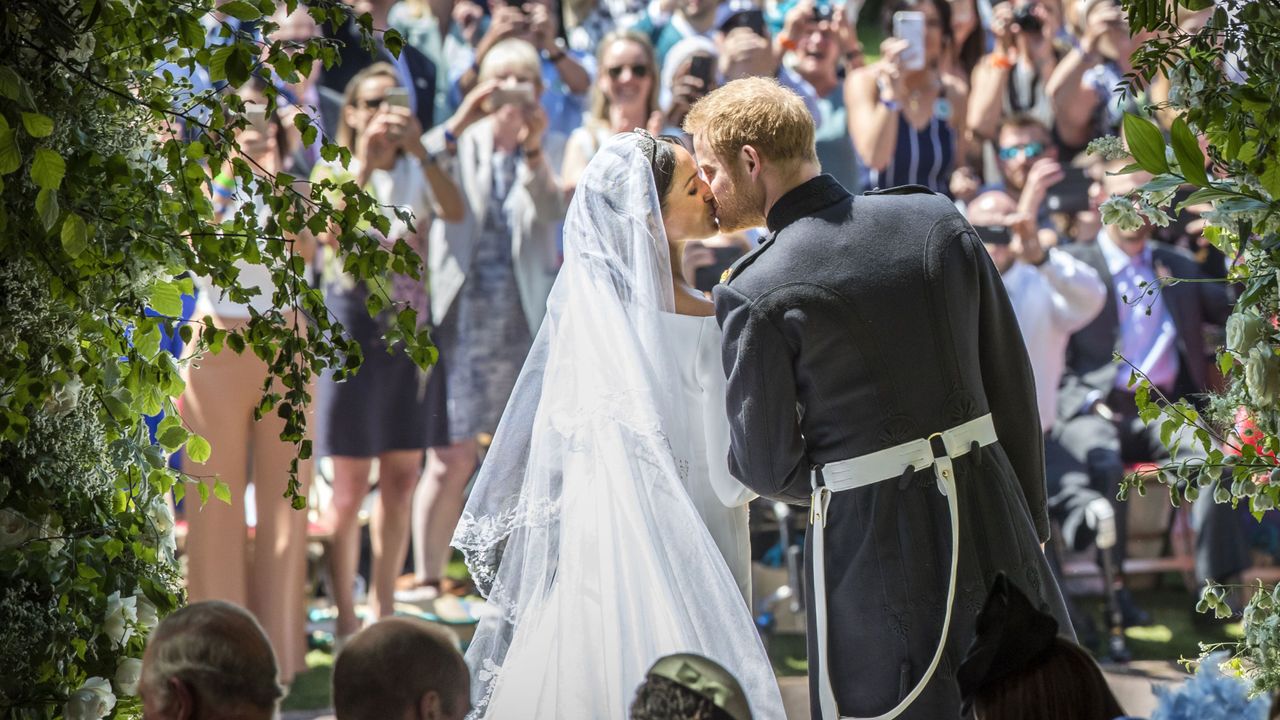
<point x="1102" y="518"/>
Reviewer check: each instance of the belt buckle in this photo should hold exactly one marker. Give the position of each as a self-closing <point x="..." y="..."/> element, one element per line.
<point x="946" y="452"/>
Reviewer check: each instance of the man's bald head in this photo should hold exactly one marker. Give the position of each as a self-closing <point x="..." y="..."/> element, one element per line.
<point x="994" y="208"/>
<point x="398" y="665"/>
<point x="991" y="208"/>
<point x="209" y="660"/>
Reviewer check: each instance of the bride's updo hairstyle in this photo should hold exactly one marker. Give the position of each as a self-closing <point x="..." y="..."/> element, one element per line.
<point x="662" y="160"/>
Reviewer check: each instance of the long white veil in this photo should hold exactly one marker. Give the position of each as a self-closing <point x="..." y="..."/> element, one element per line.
<point x="579" y="530"/>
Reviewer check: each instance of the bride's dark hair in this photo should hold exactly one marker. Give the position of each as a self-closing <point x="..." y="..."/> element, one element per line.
<point x="662" y="160"/>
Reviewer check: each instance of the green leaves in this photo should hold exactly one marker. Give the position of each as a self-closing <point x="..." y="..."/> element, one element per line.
<point x="1187" y="149"/>
<point x="1146" y="144"/>
<point x="75" y="236"/>
<point x="198" y="449"/>
<point x="240" y="10"/>
<point x="10" y="156"/>
<point x="12" y="86"/>
<point x="37" y="125"/>
<point x="48" y="169"/>
<point x="47" y="208"/>
<point x="166" y="299"/>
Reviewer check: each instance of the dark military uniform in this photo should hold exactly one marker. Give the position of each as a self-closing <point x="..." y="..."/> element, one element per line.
<point x="859" y="324"/>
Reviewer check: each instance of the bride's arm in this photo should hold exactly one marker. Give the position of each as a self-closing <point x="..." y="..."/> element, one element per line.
<point x="715" y="428"/>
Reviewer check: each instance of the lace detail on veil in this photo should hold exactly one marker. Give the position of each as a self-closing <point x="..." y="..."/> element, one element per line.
<point x="480" y="538"/>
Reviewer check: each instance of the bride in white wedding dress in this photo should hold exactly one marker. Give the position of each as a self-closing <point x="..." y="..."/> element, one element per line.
<point x="604" y="528"/>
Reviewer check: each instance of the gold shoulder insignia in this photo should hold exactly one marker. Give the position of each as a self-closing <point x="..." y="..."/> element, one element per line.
<point x="724" y="276"/>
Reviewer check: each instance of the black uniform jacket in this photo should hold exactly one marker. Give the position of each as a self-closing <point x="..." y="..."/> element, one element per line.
<point x="861" y="323"/>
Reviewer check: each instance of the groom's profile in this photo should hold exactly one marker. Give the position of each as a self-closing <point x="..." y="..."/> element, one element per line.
<point x="876" y="373"/>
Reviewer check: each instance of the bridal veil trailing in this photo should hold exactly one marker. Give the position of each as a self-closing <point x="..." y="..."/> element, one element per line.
<point x="579" y="530"/>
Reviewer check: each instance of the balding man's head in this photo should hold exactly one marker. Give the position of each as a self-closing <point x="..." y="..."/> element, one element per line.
<point x="994" y="209"/>
<point x="399" y="666"/>
<point x="208" y="661"/>
<point x="991" y="208"/>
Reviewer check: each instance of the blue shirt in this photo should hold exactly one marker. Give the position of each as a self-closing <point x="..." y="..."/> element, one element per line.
<point x="1148" y="337"/>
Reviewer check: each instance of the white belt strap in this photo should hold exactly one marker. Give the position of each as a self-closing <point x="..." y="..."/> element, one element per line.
<point x="869" y="469"/>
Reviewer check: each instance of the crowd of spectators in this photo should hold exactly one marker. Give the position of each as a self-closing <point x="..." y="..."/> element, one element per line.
<point x="484" y="122"/>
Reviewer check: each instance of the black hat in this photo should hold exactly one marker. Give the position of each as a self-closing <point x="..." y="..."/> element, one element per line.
<point x="1010" y="634"/>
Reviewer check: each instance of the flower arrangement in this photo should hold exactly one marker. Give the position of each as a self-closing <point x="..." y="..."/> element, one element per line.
<point x="105" y="160"/>
<point x="1219" y="57"/>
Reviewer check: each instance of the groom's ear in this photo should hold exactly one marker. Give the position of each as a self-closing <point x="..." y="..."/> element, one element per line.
<point x="751" y="157"/>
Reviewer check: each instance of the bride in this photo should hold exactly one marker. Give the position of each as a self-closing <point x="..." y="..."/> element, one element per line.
<point x="604" y="527"/>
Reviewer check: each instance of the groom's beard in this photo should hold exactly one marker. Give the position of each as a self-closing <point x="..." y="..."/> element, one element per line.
<point x="742" y="207"/>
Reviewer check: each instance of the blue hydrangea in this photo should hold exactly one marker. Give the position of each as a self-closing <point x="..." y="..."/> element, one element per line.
<point x="1209" y="695"/>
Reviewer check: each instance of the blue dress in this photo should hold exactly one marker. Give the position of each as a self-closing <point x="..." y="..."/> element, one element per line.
<point x="922" y="157"/>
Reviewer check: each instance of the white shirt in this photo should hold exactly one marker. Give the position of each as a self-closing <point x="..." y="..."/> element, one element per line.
<point x="1051" y="302"/>
<point x="1148" y="337"/>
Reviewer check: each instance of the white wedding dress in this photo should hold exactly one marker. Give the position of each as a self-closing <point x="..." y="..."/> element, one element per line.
<point x="604" y="528"/>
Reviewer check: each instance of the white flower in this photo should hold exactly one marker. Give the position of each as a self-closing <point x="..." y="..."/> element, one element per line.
<point x="15" y="528"/>
<point x="1109" y="147"/>
<point x="1262" y="376"/>
<point x="128" y="675"/>
<point x="122" y="613"/>
<point x="92" y="701"/>
<point x="161" y="514"/>
<point x="1244" y="330"/>
<point x="1120" y="211"/>
<point x="148" y="616"/>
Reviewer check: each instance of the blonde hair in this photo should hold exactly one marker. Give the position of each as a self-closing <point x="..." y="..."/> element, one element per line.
<point x="345" y="134"/>
<point x="759" y="112"/>
<point x="600" y="102"/>
<point x="511" y="53"/>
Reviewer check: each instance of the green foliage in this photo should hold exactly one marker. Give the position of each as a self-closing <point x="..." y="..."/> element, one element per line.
<point x="105" y="165"/>
<point x="1222" y="67"/>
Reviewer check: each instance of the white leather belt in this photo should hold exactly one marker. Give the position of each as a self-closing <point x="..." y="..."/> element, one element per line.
<point x="888" y="464"/>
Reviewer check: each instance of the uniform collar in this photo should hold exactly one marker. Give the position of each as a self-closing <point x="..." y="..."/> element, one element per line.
<point x="805" y="199"/>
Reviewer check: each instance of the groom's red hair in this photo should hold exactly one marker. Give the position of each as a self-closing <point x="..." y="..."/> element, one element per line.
<point x="759" y="112"/>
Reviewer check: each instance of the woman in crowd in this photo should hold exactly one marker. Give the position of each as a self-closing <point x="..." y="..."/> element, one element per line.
<point x="490" y="272"/>
<point x="389" y="411"/>
<point x="222" y="392"/>
<point x="625" y="97"/>
<point x="908" y="126"/>
<point x="969" y="39"/>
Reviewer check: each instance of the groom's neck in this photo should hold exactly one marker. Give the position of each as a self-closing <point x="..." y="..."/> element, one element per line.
<point x="786" y="182"/>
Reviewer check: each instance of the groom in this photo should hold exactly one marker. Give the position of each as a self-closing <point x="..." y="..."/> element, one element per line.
<point x="875" y="372"/>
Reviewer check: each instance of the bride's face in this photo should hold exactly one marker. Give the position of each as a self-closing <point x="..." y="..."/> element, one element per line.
<point x="690" y="209"/>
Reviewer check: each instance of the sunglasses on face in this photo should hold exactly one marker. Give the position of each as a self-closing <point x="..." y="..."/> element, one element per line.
<point x="371" y="103"/>
<point x="637" y="71"/>
<point x="1028" y="150"/>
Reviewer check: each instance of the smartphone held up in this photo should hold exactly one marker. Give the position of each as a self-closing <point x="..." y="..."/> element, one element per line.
<point x="909" y="25"/>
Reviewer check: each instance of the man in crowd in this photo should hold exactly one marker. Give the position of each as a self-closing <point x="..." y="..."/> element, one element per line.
<point x="1158" y="329"/>
<point x="1054" y="294"/>
<point x="209" y="661"/>
<point x="401" y="669"/>
<point x="417" y="72"/>
<point x="1028" y="161"/>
